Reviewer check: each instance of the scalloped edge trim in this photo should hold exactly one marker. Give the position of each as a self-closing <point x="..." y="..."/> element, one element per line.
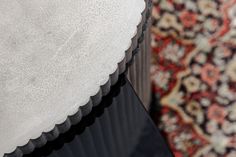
<point x="94" y="100"/>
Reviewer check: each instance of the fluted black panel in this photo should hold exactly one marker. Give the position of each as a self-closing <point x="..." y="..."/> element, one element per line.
<point x="118" y="127"/>
<point x="138" y="73"/>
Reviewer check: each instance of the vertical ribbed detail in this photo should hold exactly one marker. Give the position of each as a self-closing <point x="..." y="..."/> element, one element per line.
<point x="138" y="73"/>
<point x="113" y="129"/>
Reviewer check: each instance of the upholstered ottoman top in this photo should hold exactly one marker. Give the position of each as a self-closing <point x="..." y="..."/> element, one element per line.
<point x="54" y="56"/>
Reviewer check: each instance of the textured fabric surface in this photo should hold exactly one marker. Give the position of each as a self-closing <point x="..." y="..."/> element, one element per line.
<point x="194" y="75"/>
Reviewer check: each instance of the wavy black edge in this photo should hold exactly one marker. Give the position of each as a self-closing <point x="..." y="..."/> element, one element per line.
<point x="86" y="121"/>
<point x="94" y="100"/>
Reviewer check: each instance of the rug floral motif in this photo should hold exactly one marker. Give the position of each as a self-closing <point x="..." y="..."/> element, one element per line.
<point x="194" y="75"/>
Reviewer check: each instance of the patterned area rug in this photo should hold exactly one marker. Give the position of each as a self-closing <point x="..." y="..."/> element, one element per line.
<point x="194" y="75"/>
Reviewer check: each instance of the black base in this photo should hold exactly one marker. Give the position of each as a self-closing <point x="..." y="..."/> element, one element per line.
<point x="118" y="127"/>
